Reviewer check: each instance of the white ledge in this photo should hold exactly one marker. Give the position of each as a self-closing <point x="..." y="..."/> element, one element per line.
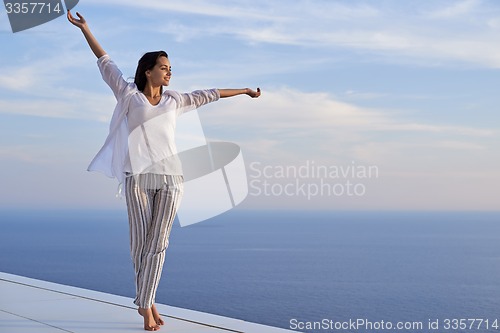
<point x="28" y="305"/>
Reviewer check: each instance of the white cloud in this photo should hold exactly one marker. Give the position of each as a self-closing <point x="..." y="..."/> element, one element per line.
<point x="288" y="126"/>
<point x="461" y="145"/>
<point x="287" y="111"/>
<point x="457" y="8"/>
<point x="21" y="153"/>
<point x="74" y="105"/>
<point x="387" y="29"/>
<point x="231" y="9"/>
<point x="18" y="79"/>
<point x="36" y="73"/>
<point x="39" y="87"/>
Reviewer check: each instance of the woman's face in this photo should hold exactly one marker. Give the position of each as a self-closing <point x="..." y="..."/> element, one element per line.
<point x="160" y="74"/>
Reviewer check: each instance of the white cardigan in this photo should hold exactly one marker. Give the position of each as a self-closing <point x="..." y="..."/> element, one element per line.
<point x="122" y="145"/>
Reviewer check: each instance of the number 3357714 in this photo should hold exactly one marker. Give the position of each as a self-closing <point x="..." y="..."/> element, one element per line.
<point x="32" y="8"/>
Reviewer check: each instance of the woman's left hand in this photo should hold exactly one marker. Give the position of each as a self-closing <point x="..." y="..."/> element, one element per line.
<point x="253" y="93"/>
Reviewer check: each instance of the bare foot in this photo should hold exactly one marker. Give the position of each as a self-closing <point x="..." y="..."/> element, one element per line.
<point x="156" y="316"/>
<point x="149" y="321"/>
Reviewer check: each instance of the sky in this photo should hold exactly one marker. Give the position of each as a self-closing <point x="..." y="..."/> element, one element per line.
<point x="408" y="90"/>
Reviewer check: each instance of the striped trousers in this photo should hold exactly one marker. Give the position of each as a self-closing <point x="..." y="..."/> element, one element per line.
<point x="152" y="202"/>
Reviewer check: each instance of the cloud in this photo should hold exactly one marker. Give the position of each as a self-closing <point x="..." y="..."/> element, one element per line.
<point x="288" y="110"/>
<point x="461" y="145"/>
<point x="287" y="125"/>
<point x="73" y="105"/>
<point x="456" y="9"/>
<point x="332" y="42"/>
<point x="387" y="29"/>
<point x="24" y="154"/>
<point x="47" y="87"/>
<point x="36" y="72"/>
<point x="230" y="9"/>
<point x="18" y="79"/>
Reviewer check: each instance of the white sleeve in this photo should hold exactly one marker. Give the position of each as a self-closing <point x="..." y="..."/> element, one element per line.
<point x="197" y="98"/>
<point x="112" y="75"/>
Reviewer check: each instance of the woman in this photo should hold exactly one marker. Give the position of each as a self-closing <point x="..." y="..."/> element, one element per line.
<point x="142" y="129"/>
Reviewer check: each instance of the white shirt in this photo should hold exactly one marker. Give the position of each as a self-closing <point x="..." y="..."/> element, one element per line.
<point x="142" y="136"/>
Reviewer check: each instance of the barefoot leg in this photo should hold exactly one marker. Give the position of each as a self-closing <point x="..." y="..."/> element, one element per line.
<point x="156" y="316"/>
<point x="149" y="321"/>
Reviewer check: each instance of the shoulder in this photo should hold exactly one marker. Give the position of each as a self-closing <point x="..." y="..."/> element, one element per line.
<point x="177" y="96"/>
<point x="172" y="93"/>
<point x="129" y="91"/>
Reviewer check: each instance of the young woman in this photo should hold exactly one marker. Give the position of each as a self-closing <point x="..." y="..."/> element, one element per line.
<point x="153" y="190"/>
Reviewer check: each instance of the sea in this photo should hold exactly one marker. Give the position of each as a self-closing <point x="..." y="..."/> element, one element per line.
<point x="309" y="271"/>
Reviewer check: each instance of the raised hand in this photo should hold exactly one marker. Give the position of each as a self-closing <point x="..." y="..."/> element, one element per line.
<point x="80" y="22"/>
<point x="253" y="93"/>
<point x="233" y="92"/>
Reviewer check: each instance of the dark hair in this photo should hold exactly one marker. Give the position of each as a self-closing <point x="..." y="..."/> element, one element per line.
<point x="147" y="62"/>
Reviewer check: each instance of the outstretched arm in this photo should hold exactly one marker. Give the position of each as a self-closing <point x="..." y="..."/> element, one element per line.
<point x="233" y="92"/>
<point x="82" y="24"/>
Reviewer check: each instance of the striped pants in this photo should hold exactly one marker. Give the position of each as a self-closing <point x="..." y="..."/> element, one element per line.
<point x="152" y="202"/>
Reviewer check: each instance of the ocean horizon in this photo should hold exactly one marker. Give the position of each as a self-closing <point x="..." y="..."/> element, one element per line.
<point x="281" y="268"/>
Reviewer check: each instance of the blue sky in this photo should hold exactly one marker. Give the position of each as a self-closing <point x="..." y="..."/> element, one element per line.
<point x="411" y="87"/>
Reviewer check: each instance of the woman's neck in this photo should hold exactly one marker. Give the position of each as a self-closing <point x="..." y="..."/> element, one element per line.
<point x="151" y="91"/>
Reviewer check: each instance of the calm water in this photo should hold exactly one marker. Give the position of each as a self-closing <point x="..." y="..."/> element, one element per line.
<point x="271" y="267"/>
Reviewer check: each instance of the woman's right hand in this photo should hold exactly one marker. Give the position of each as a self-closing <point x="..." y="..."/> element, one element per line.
<point x="80" y="22"/>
